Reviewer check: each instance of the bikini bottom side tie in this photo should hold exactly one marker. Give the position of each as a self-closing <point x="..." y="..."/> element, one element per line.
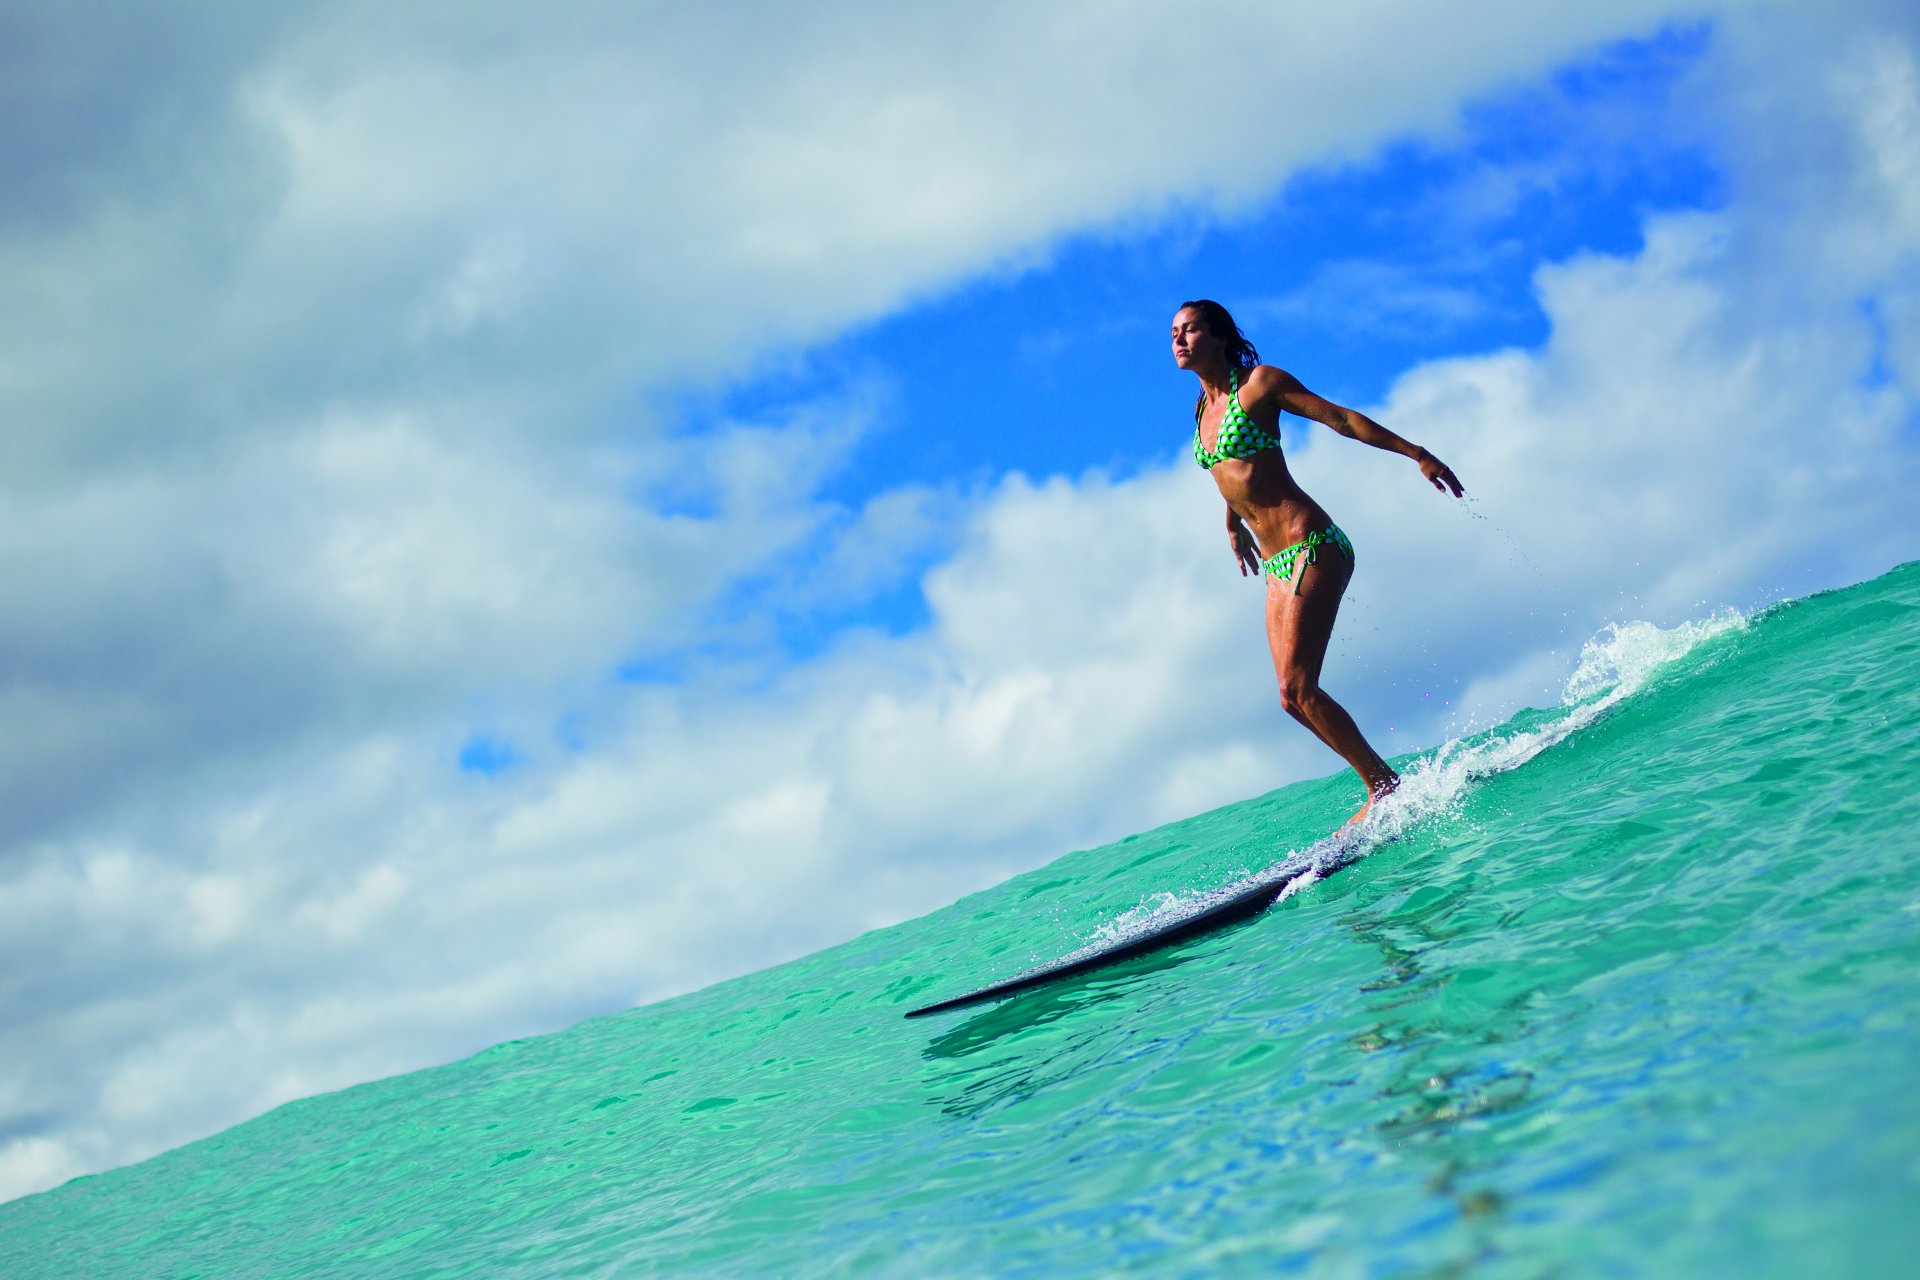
<point x="1279" y="567"/>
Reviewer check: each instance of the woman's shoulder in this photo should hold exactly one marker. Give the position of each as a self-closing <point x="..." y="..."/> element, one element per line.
<point x="1265" y="380"/>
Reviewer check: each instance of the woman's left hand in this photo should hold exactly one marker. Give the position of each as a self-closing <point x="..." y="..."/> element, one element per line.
<point x="1439" y="474"/>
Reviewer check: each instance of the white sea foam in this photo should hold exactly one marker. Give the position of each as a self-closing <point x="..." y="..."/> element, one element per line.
<point x="1625" y="654"/>
<point x="1614" y="665"/>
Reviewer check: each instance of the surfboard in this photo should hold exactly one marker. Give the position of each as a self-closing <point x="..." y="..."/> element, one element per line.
<point x="1203" y="914"/>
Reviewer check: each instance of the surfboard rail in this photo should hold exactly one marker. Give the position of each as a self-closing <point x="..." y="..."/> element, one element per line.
<point x="1237" y="904"/>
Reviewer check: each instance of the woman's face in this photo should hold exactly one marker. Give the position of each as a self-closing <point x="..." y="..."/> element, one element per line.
<point x="1192" y="342"/>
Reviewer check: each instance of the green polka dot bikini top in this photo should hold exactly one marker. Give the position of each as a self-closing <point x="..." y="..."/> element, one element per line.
<point x="1240" y="436"/>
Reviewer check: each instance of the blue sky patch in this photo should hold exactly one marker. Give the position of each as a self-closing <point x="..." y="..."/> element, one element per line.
<point x="488" y="756"/>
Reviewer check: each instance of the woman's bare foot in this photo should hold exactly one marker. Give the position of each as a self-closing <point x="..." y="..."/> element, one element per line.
<point x="1377" y="789"/>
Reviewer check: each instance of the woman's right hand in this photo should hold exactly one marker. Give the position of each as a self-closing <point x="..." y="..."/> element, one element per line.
<point x="1246" y="552"/>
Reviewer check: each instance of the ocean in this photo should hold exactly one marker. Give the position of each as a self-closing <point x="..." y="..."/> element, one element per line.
<point x="1625" y="986"/>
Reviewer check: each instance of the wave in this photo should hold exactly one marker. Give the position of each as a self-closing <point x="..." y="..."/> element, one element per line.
<point x="1635" y="994"/>
<point x="1620" y="661"/>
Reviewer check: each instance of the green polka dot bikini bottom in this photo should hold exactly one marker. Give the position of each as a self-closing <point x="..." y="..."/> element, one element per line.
<point x="1279" y="566"/>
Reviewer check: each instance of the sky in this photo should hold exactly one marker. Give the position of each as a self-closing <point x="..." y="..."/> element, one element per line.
<point x="511" y="514"/>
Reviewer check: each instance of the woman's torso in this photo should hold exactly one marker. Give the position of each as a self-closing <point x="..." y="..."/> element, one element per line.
<point x="1257" y="484"/>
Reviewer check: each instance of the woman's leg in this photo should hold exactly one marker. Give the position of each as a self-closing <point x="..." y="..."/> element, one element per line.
<point x="1299" y="626"/>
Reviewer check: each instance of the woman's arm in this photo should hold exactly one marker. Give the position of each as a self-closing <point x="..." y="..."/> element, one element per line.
<point x="1287" y="393"/>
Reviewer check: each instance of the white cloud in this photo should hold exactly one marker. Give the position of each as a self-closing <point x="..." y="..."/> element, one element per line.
<point x="316" y="458"/>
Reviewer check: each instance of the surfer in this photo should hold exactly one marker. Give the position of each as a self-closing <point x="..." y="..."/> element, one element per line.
<point x="1275" y="529"/>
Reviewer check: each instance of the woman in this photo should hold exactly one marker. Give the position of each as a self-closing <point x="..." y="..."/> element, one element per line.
<point x="1274" y="527"/>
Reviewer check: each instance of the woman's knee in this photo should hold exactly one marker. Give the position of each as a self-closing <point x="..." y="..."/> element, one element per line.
<point x="1298" y="693"/>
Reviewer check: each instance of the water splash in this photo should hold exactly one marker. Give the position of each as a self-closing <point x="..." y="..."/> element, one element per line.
<point x="1614" y="665"/>
<point x="1619" y="661"/>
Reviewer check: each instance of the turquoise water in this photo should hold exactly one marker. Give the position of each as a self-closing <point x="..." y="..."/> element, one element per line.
<point x="1629" y="986"/>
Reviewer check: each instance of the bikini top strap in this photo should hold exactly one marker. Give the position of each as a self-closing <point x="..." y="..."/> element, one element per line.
<point x="1233" y="397"/>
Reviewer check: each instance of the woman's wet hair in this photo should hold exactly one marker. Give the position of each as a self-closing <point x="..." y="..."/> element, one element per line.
<point x="1220" y="324"/>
